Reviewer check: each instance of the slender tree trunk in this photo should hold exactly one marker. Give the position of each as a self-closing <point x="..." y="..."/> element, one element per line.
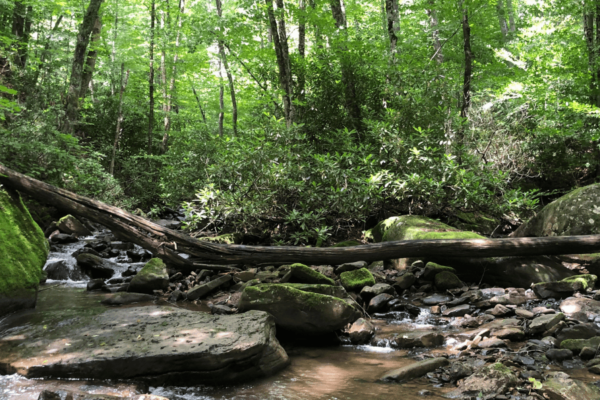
<point x="119" y="120"/>
<point x="435" y="33"/>
<point x="83" y="39"/>
<point x="511" y="16"/>
<point x="279" y="36"/>
<point x="466" y="103"/>
<point x="302" y="52"/>
<point x="46" y="52"/>
<point x="502" y="18"/>
<point x="316" y="28"/>
<point x="597" y="53"/>
<point x="163" y="67"/>
<point x="90" y="62"/>
<point x="167" y="124"/>
<point x="223" y="56"/>
<point x="221" y="100"/>
<point x="351" y="101"/>
<point x="21" y="27"/>
<point x="151" y="77"/>
<point x="113" y="55"/>
<point x="391" y="9"/>
<point x="199" y="104"/>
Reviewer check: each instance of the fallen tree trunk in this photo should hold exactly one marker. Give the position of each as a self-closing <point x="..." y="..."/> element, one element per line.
<point x="166" y="243"/>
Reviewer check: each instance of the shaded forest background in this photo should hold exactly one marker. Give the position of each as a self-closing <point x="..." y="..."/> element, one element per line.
<point x="304" y="119"/>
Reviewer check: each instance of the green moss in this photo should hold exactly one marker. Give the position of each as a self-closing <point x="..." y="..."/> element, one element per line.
<point x="414" y="227"/>
<point x="306" y="274"/>
<point x="228" y="238"/>
<point x="155" y="266"/>
<point x="23" y="247"/>
<point x="575" y="345"/>
<point x="501" y="368"/>
<point x="432" y="269"/>
<point x="447" y="280"/>
<point x="357" y="279"/>
<point x="308" y="299"/>
<point x="586" y="280"/>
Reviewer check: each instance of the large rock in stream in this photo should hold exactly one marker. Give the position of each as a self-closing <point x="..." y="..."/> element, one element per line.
<point x="503" y="271"/>
<point x="299" y="311"/>
<point x="23" y="253"/>
<point x="153" y="276"/>
<point x="167" y="344"/>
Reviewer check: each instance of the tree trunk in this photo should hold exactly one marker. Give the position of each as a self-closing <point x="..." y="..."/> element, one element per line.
<point x="588" y="30"/>
<point x="113" y="54"/>
<point x="90" y="62"/>
<point x="234" y="110"/>
<point x="21" y="28"/>
<point x="302" y="52"/>
<point x="511" y="16"/>
<point x="46" y="52"/>
<point x="597" y="54"/>
<point x="502" y="18"/>
<point x="167" y="123"/>
<point x="151" y="77"/>
<point x="435" y="33"/>
<point x="391" y="25"/>
<point x="83" y="39"/>
<point x="279" y="36"/>
<point x="221" y="100"/>
<point x="466" y="103"/>
<point x="164" y="242"/>
<point x="199" y="104"/>
<point x="351" y="101"/>
<point x="119" y="120"/>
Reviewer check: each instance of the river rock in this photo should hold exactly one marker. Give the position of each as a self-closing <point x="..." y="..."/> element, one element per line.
<point x="559" y="355"/>
<point x="405" y="281"/>
<point x="576" y="345"/>
<point x="361" y="331"/>
<point x="458" y="311"/>
<point x="63" y="238"/>
<point x="492" y="379"/>
<point x="565" y="287"/>
<point x="202" y="290"/>
<point x="170" y="345"/>
<point x="410" y="339"/>
<point x="297" y="311"/>
<point x="335" y="291"/>
<point x="303" y="274"/>
<point x="368" y="292"/>
<point x="432" y="269"/>
<point x="23" y="253"/>
<point x="95" y="267"/>
<point x="118" y="245"/>
<point x="379" y="303"/>
<point x="512" y="334"/>
<point x="119" y="299"/>
<point x="587" y="353"/>
<point x="491" y="343"/>
<point x="357" y="279"/>
<point x="246" y="276"/>
<point x="545" y="322"/>
<point x="61" y="271"/>
<point x="446" y="280"/>
<point x="350" y="266"/>
<point x="580" y="306"/>
<point x="414" y="370"/>
<point x="459" y="370"/>
<point x="435" y="299"/>
<point x="581" y="331"/>
<point x="71" y="226"/>
<point x="522" y="313"/>
<point x="153" y="276"/>
<point x="561" y="386"/>
<point x="507" y="271"/>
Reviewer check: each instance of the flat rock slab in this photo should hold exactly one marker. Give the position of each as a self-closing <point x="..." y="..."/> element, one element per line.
<point x="409" y="340"/>
<point x="167" y="344"/>
<point x="415" y="370"/>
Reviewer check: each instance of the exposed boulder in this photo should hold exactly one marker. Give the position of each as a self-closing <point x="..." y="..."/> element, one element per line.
<point x="561" y="386"/>
<point x="565" y="287"/>
<point x="61" y="271"/>
<point x="335" y="291"/>
<point x="356" y="280"/>
<point x="507" y="271"/>
<point x="23" y="253"/>
<point x="350" y="266"/>
<point x="406" y="280"/>
<point x="171" y="345"/>
<point x="581" y="331"/>
<point x="153" y="276"/>
<point x="576" y="345"/>
<point x="409" y="339"/>
<point x="63" y="238"/>
<point x="368" y="292"/>
<point x="361" y="331"/>
<point x="492" y="379"/>
<point x="544" y="322"/>
<point x="71" y="226"/>
<point x="202" y="290"/>
<point x="414" y="370"/>
<point x="303" y="274"/>
<point x="297" y="311"/>
<point x="95" y="267"/>
<point x="432" y="269"/>
<point x="119" y="299"/>
<point x="447" y="280"/>
<point x="580" y="306"/>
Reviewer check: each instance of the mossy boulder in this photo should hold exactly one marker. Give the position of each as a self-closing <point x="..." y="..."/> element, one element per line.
<point x="23" y="253"/>
<point x="560" y="385"/>
<point x="356" y="280"/>
<point x="576" y="345"/>
<point x="565" y="287"/>
<point x="329" y="290"/>
<point x="506" y="271"/>
<point x="153" y="276"/>
<point x="447" y="280"/>
<point x="71" y="225"/>
<point x="297" y="311"/>
<point x="303" y="274"/>
<point x="492" y="379"/>
<point x="576" y="213"/>
<point x="95" y="267"/>
<point x="432" y="269"/>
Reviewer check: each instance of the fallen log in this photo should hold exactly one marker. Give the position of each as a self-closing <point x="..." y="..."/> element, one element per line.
<point x="166" y="243"/>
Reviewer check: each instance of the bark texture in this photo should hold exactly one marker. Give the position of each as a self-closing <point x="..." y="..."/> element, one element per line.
<point x="151" y="77"/>
<point x="90" y="62"/>
<point x="223" y="56"/>
<point x="119" y="129"/>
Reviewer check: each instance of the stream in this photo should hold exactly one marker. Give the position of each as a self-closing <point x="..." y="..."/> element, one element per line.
<point x="335" y="372"/>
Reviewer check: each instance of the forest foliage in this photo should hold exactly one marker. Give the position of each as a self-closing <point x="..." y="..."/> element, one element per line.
<point x="303" y="117"/>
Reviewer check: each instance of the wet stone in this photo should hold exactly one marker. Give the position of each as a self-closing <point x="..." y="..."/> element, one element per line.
<point x="436" y="299"/>
<point x="545" y="322"/>
<point x="559" y="355"/>
<point x="492" y="343"/>
<point x="522" y="313"/>
<point x="458" y="311"/>
<point x="361" y="331"/>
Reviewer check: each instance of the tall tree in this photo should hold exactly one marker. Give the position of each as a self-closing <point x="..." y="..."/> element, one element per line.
<point x="393" y="24"/>
<point x="225" y="64"/>
<point x="221" y="100"/>
<point x="119" y="129"/>
<point x="502" y="18"/>
<point x="302" y="51"/>
<point x="151" y="76"/>
<point x="21" y="29"/>
<point x="46" y="52"/>
<point x="283" y="60"/>
<point x="352" y="106"/>
<point x="83" y="38"/>
<point x="90" y="61"/>
<point x="466" y="100"/>
<point x="435" y="33"/>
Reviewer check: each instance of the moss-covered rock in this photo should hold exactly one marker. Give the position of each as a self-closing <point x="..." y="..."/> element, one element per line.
<point x="576" y="213"/>
<point x="23" y="253"/>
<point x="508" y="271"/>
<point x="565" y="287"/>
<point x="329" y="290"/>
<point x="561" y="386"/>
<point x="153" y="276"/>
<point x="447" y="280"/>
<point x="432" y="269"/>
<point x="297" y="311"/>
<point x="303" y="274"/>
<point x="492" y="379"/>
<point x="357" y="279"/>
<point x="576" y="345"/>
<point x="71" y="225"/>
